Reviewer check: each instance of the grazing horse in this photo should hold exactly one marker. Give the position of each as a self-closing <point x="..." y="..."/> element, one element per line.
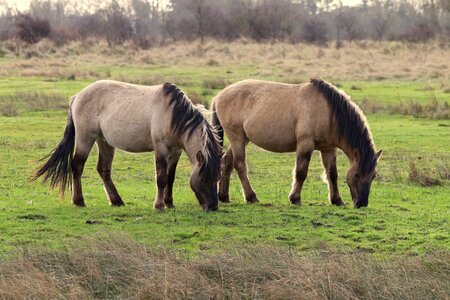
<point x="136" y="118"/>
<point x="295" y="118"/>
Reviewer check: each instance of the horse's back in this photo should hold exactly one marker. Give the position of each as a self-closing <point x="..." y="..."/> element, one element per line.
<point x="274" y="116"/>
<point x="119" y="112"/>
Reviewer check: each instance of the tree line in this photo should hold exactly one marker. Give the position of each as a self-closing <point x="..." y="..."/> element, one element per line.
<point x="151" y="22"/>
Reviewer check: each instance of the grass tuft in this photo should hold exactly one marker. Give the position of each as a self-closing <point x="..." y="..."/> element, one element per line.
<point x="215" y="84"/>
<point x="8" y="109"/>
<point x="421" y="177"/>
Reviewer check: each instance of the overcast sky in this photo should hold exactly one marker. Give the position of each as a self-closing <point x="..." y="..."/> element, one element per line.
<point x="23" y="4"/>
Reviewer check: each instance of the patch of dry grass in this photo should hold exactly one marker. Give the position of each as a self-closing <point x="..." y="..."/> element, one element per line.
<point x="117" y="267"/>
<point x="12" y="105"/>
<point x="431" y="110"/>
<point x="365" y="60"/>
<point x="423" y="174"/>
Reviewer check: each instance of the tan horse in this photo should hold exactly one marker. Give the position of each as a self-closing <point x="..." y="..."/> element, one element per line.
<point x="136" y="119"/>
<point x="302" y="118"/>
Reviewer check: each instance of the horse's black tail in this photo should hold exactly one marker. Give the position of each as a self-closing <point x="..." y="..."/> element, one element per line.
<point x="215" y="122"/>
<point x="58" y="168"/>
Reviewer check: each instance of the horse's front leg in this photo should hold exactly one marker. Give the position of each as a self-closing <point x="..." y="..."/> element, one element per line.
<point x="304" y="152"/>
<point x="171" y="169"/>
<point x="225" y="169"/>
<point x="161" y="180"/>
<point x="329" y="163"/>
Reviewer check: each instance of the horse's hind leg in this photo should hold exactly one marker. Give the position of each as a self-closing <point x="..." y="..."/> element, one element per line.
<point x="105" y="158"/>
<point x="83" y="148"/>
<point x="240" y="165"/>
<point x="304" y="151"/>
<point x="329" y="163"/>
<point x="171" y="169"/>
<point x="226" y="169"/>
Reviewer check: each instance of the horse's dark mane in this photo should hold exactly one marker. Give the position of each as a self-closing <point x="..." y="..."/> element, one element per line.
<point x="186" y="117"/>
<point x="351" y="124"/>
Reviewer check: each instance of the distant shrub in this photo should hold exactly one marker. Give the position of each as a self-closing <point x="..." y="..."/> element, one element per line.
<point x="315" y="31"/>
<point x="61" y="36"/>
<point x="32" y="53"/>
<point x="31" y="29"/>
<point x="212" y="63"/>
<point x="90" y="25"/>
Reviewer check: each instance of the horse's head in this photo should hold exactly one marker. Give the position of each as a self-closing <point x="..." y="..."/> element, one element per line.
<point x="359" y="183"/>
<point x="204" y="185"/>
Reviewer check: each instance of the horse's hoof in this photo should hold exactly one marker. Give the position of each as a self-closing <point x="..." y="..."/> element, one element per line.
<point x="224" y="198"/>
<point x="159" y="206"/>
<point x="295" y="200"/>
<point x="169" y="203"/>
<point x="79" y="203"/>
<point x="337" y="201"/>
<point x="211" y="209"/>
<point x="252" y="199"/>
<point x="117" y="203"/>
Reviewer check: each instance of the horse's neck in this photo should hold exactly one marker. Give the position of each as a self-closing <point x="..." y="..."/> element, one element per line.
<point x="348" y="150"/>
<point x="192" y="145"/>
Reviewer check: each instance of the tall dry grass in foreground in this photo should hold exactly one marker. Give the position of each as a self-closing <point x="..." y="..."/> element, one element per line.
<point x="117" y="267"/>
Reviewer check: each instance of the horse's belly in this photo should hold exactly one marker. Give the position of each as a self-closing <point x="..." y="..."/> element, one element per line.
<point x="129" y="139"/>
<point x="275" y="138"/>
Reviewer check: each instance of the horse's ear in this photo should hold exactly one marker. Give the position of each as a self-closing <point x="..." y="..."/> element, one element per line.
<point x="379" y="153"/>
<point x="356" y="154"/>
<point x="200" y="157"/>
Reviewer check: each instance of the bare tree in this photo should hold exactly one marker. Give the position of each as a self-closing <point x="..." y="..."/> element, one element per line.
<point x="347" y="21"/>
<point x="199" y="9"/>
<point x="118" y="26"/>
<point x="379" y="18"/>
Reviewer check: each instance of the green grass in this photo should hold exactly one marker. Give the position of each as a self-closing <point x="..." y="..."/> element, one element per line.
<point x="402" y="217"/>
<point x="395" y="91"/>
<point x="385" y="92"/>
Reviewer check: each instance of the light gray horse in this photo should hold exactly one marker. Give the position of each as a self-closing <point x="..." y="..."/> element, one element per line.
<point x="136" y="118"/>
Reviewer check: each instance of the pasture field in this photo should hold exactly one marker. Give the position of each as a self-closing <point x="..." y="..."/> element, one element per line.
<point x="402" y="216"/>
<point x="406" y="106"/>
